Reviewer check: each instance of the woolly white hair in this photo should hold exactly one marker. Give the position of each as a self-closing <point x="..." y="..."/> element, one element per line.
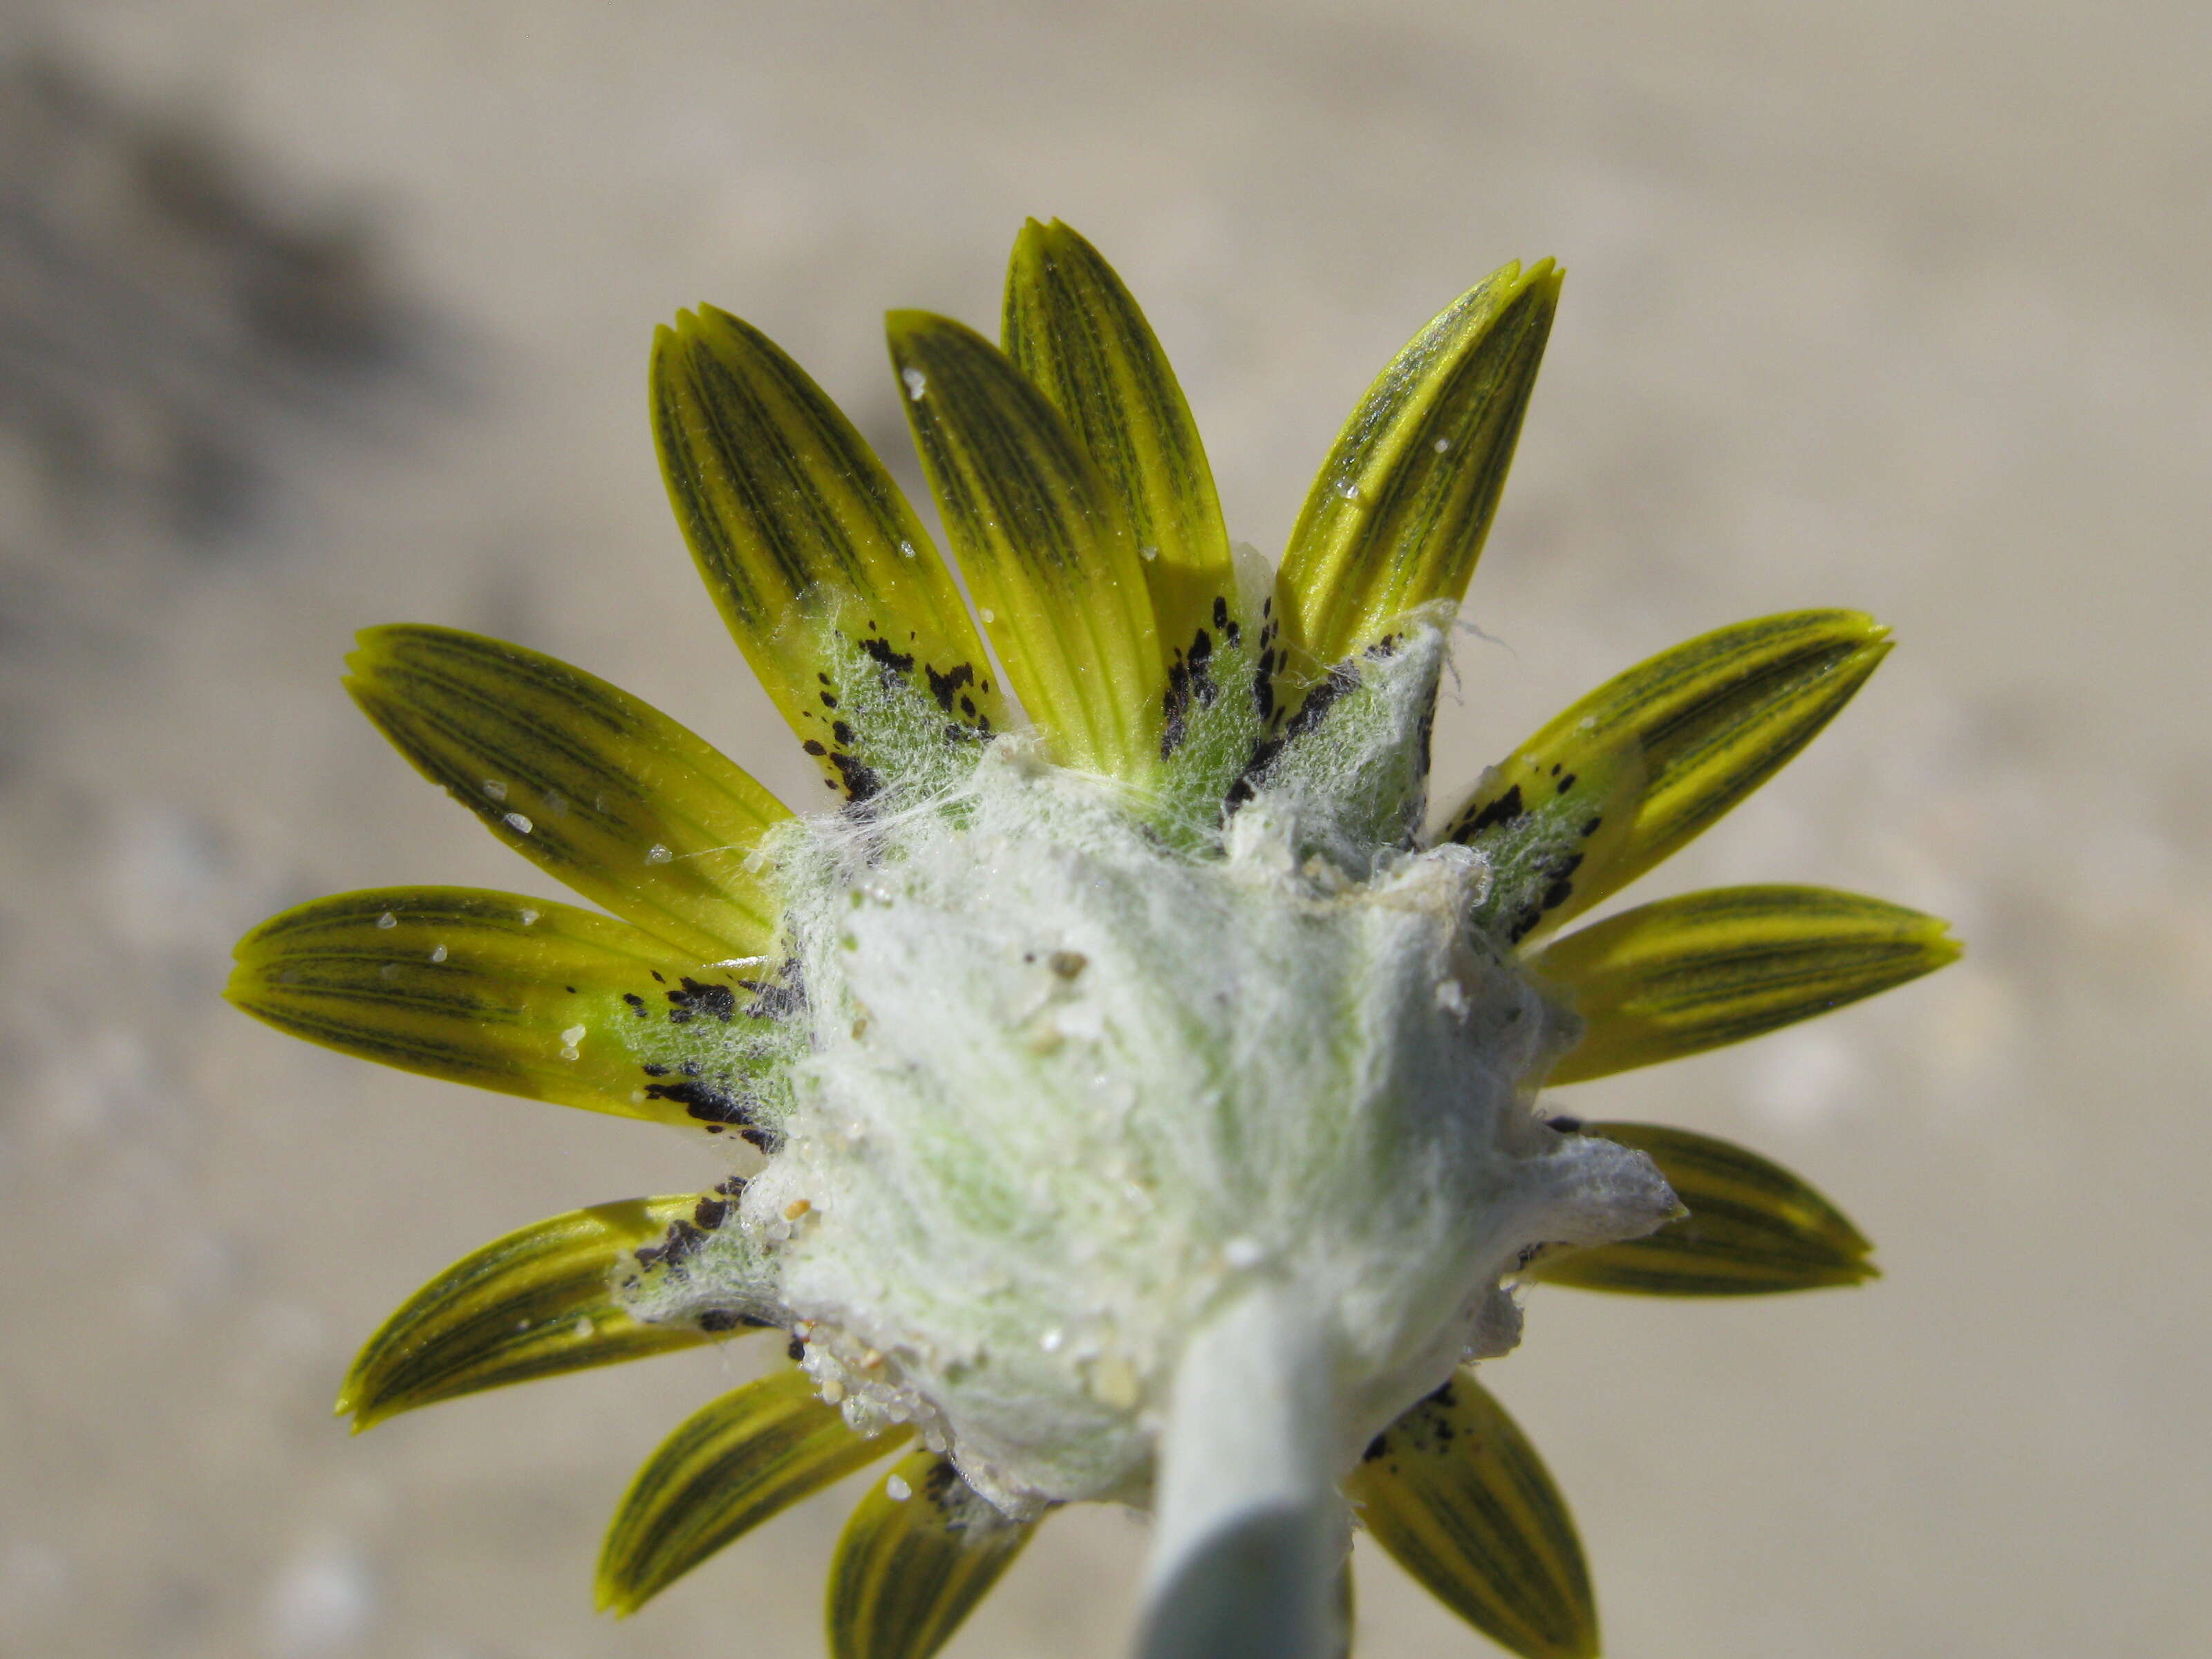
<point x="1073" y="1092"/>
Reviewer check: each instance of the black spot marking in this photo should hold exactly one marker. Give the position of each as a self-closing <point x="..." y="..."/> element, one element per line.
<point x="1590" y="829"/>
<point x="943" y="687"/>
<point x="1341" y="680"/>
<point x="1190" y="681"/>
<point x="968" y="707"/>
<point x="795" y="1350"/>
<point x="842" y="732"/>
<point x="778" y="998"/>
<point x="708" y="1102"/>
<point x="636" y="1003"/>
<point x="1567" y="782"/>
<point x="1506" y="809"/>
<point x="710" y="1213"/>
<point x="936" y="1485"/>
<point x="681" y="1240"/>
<point x="693" y="1000"/>
<point x="651" y="1070"/>
<point x="1555" y="769"/>
<point x="658" y="974"/>
<point x="828" y="701"/>
<point x="893" y="663"/>
<point x="1564" y="1125"/>
<point x="1375" y="1448"/>
<point x="860" y="781"/>
<point x="715" y="1320"/>
<point x="1220" y="612"/>
<point x="814" y="748"/>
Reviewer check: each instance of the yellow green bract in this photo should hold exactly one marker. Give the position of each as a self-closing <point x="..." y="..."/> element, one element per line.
<point x="1684" y="975"/>
<point x="537" y="1302"/>
<point x="920" y="1550"/>
<point x="1399" y="513"/>
<point x="1458" y="1495"/>
<point x="755" y="1451"/>
<point x="1077" y="498"/>
<point x="601" y="792"/>
<point x="1048" y="551"/>
<point x="1752" y="1228"/>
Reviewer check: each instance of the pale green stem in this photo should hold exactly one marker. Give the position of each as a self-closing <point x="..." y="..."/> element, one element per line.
<point x="1249" y="1530"/>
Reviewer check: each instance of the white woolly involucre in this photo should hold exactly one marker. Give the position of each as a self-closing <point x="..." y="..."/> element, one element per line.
<point x="1071" y="1094"/>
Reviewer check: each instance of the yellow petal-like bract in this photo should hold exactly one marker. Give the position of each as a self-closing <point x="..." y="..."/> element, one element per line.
<point x="920" y="1550"/>
<point x="1399" y="510"/>
<point x="729" y="1466"/>
<point x="1688" y="973"/>
<point x="597" y="788"/>
<point x="1458" y="1496"/>
<point x="538" y="1302"/>
<point x="1753" y="1229"/>
<point x="1047" y="549"/>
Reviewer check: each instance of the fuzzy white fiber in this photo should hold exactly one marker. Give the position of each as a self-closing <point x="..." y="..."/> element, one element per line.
<point x="1072" y="1092"/>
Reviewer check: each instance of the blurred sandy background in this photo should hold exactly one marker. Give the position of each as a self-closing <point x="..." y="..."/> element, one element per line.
<point x="318" y="315"/>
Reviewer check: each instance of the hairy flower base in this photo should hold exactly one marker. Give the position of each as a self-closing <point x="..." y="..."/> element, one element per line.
<point x="1136" y="1104"/>
<point x="1070" y="1091"/>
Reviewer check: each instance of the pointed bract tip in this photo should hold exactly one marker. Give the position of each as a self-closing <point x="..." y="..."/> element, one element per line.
<point x="907" y="322"/>
<point x="607" y="1596"/>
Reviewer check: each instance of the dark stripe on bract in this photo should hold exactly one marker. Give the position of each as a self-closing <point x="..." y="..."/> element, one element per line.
<point x="907" y="1571"/>
<point x="1046" y="547"/>
<point x="811" y="553"/>
<point x="1684" y="975"/>
<point x="1073" y="328"/>
<point x="1674" y="742"/>
<point x="538" y="1302"/>
<point x="604" y="792"/>
<point x="1393" y="521"/>
<point x="1013" y="473"/>
<point x="1753" y="1228"/>
<point x="1455" y="1493"/>
<point x="744" y="1458"/>
<point x="500" y="991"/>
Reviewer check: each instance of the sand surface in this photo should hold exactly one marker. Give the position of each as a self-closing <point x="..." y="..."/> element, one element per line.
<point x="318" y="315"/>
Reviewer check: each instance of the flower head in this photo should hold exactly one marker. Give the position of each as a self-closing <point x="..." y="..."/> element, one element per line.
<point x="1128" y="1100"/>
